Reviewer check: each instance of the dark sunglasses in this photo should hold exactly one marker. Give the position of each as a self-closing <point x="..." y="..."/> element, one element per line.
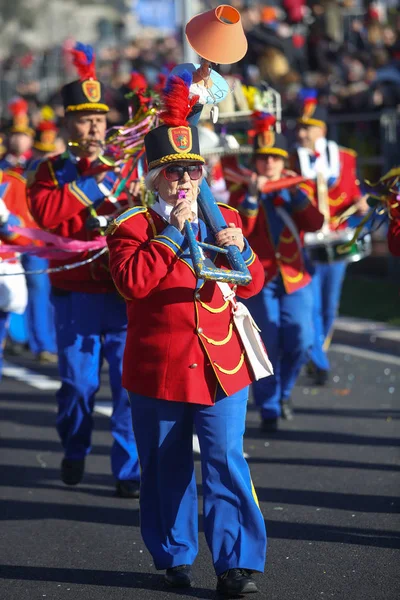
<point x="175" y="173"/>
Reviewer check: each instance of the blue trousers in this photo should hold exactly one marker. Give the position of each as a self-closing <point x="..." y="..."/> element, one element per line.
<point x="18" y="329"/>
<point x="89" y="328"/>
<point x="233" y="523"/>
<point x="3" y="333"/>
<point x="39" y="312"/>
<point x="326" y="286"/>
<point x="285" y="321"/>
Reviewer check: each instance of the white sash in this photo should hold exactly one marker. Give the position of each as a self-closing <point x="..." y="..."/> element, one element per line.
<point x="327" y="163"/>
<point x="249" y="334"/>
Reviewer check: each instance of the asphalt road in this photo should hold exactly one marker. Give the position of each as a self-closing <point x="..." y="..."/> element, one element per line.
<point x="328" y="485"/>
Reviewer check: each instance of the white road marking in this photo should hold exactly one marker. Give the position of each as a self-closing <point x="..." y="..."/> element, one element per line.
<point x="35" y="380"/>
<point x="367" y="354"/>
<point x="103" y="408"/>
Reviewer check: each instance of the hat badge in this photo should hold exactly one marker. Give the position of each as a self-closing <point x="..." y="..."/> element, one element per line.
<point x="180" y="138"/>
<point x="266" y="139"/>
<point x="92" y="90"/>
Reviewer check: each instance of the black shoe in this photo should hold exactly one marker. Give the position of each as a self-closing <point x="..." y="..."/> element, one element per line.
<point x="286" y="410"/>
<point x="269" y="425"/>
<point x="321" y="377"/>
<point x="72" y="470"/>
<point x="310" y="369"/>
<point x="236" y="581"/>
<point x="14" y="348"/>
<point x="178" y="577"/>
<point x="126" y="488"/>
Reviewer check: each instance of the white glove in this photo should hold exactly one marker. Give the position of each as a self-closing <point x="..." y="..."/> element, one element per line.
<point x="4" y="212"/>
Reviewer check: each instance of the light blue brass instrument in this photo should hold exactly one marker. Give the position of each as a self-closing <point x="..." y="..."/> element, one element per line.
<point x="214" y="49"/>
<point x="239" y="274"/>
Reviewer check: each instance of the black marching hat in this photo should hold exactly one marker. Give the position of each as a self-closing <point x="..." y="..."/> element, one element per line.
<point x="175" y="140"/>
<point x="311" y="113"/>
<point x="87" y="92"/>
<point x="266" y="139"/>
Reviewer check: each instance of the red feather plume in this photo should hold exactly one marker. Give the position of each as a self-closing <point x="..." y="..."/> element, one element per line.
<point x="176" y="102"/>
<point x="18" y="106"/>
<point x="262" y="122"/>
<point x="84" y="60"/>
<point x="47" y="126"/>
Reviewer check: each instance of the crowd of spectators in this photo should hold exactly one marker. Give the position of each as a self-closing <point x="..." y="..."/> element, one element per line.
<point x="346" y="49"/>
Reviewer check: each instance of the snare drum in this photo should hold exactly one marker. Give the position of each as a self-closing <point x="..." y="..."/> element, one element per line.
<point x="334" y="246"/>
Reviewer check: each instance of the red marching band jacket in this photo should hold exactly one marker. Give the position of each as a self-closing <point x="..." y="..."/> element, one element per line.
<point x="344" y="192"/>
<point x="181" y="336"/>
<point x="14" y="198"/>
<point x="61" y="197"/>
<point x="273" y="242"/>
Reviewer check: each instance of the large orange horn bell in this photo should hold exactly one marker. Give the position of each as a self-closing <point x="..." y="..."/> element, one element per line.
<point x="217" y="35"/>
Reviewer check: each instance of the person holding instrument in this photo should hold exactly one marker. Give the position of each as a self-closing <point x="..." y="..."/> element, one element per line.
<point x="275" y="223"/>
<point x="332" y="174"/>
<point x="192" y="364"/>
<point x="90" y="316"/>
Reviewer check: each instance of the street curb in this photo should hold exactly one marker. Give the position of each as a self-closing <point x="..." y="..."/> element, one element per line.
<point x="372" y="335"/>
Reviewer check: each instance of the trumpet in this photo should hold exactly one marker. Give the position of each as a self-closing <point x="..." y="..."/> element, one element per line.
<point x="124" y="143"/>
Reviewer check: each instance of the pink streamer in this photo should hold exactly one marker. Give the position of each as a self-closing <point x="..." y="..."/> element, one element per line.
<point x="60" y="247"/>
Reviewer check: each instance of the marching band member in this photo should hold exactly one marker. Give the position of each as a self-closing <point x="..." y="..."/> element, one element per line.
<point x="192" y="365"/>
<point x="46" y="138"/>
<point x="332" y="172"/>
<point x="13" y="291"/>
<point x="384" y="199"/>
<point x="274" y="224"/>
<point x="39" y="316"/>
<point x="90" y="316"/>
<point x="20" y="138"/>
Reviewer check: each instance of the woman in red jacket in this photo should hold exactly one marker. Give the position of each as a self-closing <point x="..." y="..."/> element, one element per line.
<point x="185" y="366"/>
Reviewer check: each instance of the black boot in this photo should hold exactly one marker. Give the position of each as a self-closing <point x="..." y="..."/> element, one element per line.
<point x="236" y="581"/>
<point x="72" y="470"/>
<point x="269" y="425"/>
<point x="321" y="377"/>
<point x="179" y="577"/>
<point x="310" y="369"/>
<point x="127" y="488"/>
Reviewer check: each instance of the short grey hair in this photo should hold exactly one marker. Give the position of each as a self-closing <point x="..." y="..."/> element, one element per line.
<point x="152" y="176"/>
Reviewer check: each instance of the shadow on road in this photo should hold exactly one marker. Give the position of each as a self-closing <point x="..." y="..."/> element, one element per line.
<point x="39" y="478"/>
<point x="41" y="418"/>
<point x="41" y="445"/>
<point x="330" y="500"/>
<point x="378" y="538"/>
<point x="324" y="462"/>
<point x="134" y="580"/>
<point x="351" y="413"/>
<point x="20" y="510"/>
<point x="322" y="437"/>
